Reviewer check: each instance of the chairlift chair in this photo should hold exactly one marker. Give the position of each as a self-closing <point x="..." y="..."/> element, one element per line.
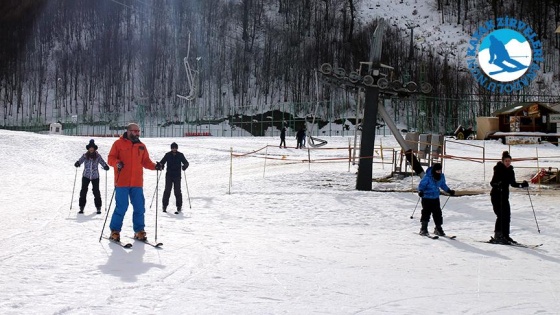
<point x="191" y="82"/>
<point x="316" y="142"/>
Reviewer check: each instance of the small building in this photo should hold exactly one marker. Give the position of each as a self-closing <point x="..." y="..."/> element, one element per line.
<point x="526" y="117"/>
<point x="526" y="122"/>
<point x="55" y="128"/>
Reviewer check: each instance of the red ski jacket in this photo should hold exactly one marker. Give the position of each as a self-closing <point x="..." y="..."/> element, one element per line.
<point x="135" y="157"/>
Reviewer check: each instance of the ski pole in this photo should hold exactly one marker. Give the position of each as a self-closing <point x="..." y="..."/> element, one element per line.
<point x="151" y="203"/>
<point x="534" y="214"/>
<point x="188" y="195"/>
<point x="107" y="215"/>
<point x="105" y="191"/>
<point x="73" y="188"/>
<point x="157" y="197"/>
<point x="446" y="202"/>
<point x="412" y="215"/>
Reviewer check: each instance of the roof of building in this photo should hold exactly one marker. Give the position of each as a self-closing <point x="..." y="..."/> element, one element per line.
<point x="516" y="107"/>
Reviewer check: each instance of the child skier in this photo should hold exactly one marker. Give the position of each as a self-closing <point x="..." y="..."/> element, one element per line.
<point x="428" y="190"/>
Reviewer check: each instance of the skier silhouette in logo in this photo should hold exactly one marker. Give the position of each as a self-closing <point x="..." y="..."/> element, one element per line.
<point x="499" y="55"/>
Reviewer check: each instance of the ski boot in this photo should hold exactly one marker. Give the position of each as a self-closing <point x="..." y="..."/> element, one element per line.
<point x="178" y="209"/>
<point x="499" y="238"/>
<point x="424" y="229"/>
<point x="509" y="239"/>
<point x="164" y="208"/>
<point x="115" y="235"/>
<point x="140" y="235"/>
<point x="81" y="210"/>
<point x="98" y="210"/>
<point x="439" y="231"/>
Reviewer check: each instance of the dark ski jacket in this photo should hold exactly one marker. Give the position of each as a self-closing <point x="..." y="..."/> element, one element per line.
<point x="91" y="164"/>
<point x="430" y="186"/>
<point x="503" y="178"/>
<point x="174" y="162"/>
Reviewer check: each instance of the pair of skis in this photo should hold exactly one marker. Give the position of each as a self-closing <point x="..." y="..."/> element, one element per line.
<point x="435" y="237"/>
<point x="493" y="241"/>
<point x="176" y="212"/>
<point x="129" y="245"/>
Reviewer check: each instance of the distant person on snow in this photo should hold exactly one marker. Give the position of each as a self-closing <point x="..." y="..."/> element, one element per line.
<point x="91" y="160"/>
<point x="428" y="190"/>
<point x="300" y="137"/>
<point x="174" y="160"/>
<point x="129" y="156"/>
<point x="503" y="177"/>
<point x="283" y="137"/>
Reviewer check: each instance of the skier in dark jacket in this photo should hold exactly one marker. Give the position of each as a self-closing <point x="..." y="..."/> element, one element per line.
<point x="174" y="159"/>
<point x="91" y="160"/>
<point x="503" y="177"/>
<point x="300" y="137"/>
<point x="428" y="190"/>
<point x="283" y="137"/>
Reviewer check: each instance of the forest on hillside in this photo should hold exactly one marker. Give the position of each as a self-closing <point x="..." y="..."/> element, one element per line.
<point x="98" y="60"/>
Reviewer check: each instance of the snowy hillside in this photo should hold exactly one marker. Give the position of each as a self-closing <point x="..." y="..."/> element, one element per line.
<point x="424" y="18"/>
<point x="290" y="238"/>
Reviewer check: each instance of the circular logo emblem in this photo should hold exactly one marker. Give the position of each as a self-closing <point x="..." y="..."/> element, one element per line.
<point x="503" y="57"/>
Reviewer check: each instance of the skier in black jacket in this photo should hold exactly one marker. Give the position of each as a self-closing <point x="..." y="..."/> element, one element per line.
<point x="283" y="137"/>
<point x="174" y="159"/>
<point x="503" y="177"/>
<point x="300" y="137"/>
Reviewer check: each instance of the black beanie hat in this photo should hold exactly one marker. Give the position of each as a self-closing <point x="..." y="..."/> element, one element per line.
<point x="91" y="144"/>
<point x="174" y="145"/>
<point x="505" y="155"/>
<point x="436" y="167"/>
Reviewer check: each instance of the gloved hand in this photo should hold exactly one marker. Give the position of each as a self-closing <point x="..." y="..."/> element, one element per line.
<point x="185" y="167"/>
<point x="420" y="194"/>
<point x="77" y="164"/>
<point x="451" y="192"/>
<point x="159" y="166"/>
<point x="524" y="184"/>
<point x="120" y="165"/>
<point x="106" y="167"/>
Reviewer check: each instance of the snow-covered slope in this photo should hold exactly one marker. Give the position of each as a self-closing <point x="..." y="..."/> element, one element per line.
<point x="290" y="238"/>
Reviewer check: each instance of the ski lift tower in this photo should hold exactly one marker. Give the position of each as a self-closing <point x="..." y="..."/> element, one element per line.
<point x="373" y="82"/>
<point x="367" y="142"/>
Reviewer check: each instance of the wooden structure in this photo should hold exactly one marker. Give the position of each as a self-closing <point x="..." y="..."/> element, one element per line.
<point x="486" y="126"/>
<point x="526" y="117"/>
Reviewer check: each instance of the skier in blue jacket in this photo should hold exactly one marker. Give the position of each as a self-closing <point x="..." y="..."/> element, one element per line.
<point x="91" y="160"/>
<point x="428" y="190"/>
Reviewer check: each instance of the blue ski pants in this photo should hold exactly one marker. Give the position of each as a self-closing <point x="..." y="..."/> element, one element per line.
<point x="122" y="195"/>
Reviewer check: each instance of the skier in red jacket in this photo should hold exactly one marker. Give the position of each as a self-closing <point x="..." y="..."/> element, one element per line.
<point x="129" y="156"/>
